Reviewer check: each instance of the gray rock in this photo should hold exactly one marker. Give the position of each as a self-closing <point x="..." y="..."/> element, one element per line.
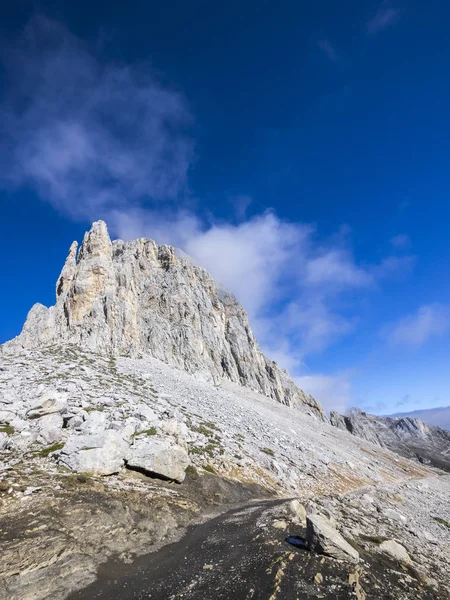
<point x="323" y="538"/>
<point x="117" y="297"/>
<point x="3" y="440"/>
<point x="395" y="551"/>
<point x="101" y="454"/>
<point x="49" y="402"/>
<point x="95" y="422"/>
<point x="298" y="510"/>
<point x="50" y="428"/>
<point x="160" y="456"/>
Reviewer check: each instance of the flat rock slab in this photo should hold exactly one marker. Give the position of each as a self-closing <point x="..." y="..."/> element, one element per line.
<point x="159" y="456"/>
<point x="323" y="538"/>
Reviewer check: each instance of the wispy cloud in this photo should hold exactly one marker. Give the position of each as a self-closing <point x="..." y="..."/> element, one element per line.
<point x="414" y="330"/>
<point x="337" y="268"/>
<point x="333" y="391"/>
<point x="384" y="18"/>
<point x="88" y="135"/>
<point x="329" y="50"/>
<point x="400" y="241"/>
<point x="100" y="140"/>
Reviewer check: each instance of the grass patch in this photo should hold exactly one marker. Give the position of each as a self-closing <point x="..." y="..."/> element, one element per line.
<point x="53" y="448"/>
<point x="191" y="472"/>
<point x="442" y="522"/>
<point x="210" y="449"/>
<point x="90" y="409"/>
<point x="8" y="429"/>
<point x="151" y="431"/>
<point x="210" y="469"/>
<point x="375" y="539"/>
<point x="268" y="451"/>
<point x="202" y="429"/>
<point x="239" y="436"/>
<point x="211" y="425"/>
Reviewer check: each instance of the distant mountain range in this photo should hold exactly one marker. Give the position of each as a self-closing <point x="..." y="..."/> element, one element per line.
<point x="432" y="416"/>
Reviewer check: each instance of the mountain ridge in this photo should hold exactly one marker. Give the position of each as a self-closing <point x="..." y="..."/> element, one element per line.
<point x="131" y="297"/>
<point x="438" y="416"/>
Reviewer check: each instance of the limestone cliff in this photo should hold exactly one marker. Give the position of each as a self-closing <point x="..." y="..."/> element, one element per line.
<point x="137" y="297"/>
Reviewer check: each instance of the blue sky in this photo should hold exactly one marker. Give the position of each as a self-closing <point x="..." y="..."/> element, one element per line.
<point x="297" y="150"/>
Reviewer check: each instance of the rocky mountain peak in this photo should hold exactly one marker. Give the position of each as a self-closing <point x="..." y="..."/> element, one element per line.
<point x="136" y="297"/>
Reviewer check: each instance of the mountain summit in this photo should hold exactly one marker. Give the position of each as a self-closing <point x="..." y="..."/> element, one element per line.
<point x="137" y="297"/>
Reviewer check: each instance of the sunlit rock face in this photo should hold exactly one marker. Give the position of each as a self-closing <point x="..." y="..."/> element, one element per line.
<point x="136" y="297"/>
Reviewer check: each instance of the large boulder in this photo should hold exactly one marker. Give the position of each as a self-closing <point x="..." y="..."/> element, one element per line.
<point x="98" y="454"/>
<point x="395" y="551"/>
<point x="50" y="428"/>
<point x="159" y="456"/>
<point x="324" y="538"/>
<point x="49" y="402"/>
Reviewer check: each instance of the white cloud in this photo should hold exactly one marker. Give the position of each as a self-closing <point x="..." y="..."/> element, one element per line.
<point x="394" y="266"/>
<point x="384" y="18"/>
<point x="400" y="241"/>
<point x="328" y="49"/>
<point x="333" y="391"/>
<point x="88" y="136"/>
<point x="429" y="321"/>
<point x="110" y="141"/>
<point x="336" y="267"/>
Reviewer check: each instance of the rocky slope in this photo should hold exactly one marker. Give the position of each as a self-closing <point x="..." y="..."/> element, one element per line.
<point x="70" y="417"/>
<point x="140" y="403"/>
<point x="408" y="436"/>
<point x="138" y="297"/>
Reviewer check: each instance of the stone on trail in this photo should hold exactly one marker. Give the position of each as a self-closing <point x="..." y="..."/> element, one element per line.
<point x="395" y="551"/>
<point x="323" y="538"/>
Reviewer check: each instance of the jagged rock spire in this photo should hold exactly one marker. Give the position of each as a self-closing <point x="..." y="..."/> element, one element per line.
<point x="137" y="297"/>
<point x="68" y="271"/>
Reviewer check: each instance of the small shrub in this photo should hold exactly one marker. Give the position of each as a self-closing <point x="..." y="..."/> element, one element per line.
<point x="268" y="451"/>
<point x="151" y="431"/>
<point x="211" y="425"/>
<point x="46" y="451"/>
<point x="8" y="429"/>
<point x="442" y="522"/>
<point x="191" y="472"/>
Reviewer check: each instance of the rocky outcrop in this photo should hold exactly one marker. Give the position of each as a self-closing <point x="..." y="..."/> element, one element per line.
<point x="159" y="456"/>
<point x="137" y="297"/>
<point x="404" y="435"/>
<point x="324" y="538"/>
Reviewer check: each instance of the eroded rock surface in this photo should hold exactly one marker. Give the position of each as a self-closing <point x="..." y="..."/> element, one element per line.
<point x="324" y="538"/>
<point x="138" y="297"/>
<point x="408" y="436"/>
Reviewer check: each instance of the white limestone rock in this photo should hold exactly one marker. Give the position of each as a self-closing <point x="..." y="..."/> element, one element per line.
<point x="137" y="297"/>
<point x="98" y="454"/>
<point x="395" y="551"/>
<point x="159" y="455"/>
<point x="50" y="428"/>
<point x="324" y="538"/>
